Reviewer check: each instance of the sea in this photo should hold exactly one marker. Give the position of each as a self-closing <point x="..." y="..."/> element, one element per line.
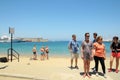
<point x="56" y="48"/>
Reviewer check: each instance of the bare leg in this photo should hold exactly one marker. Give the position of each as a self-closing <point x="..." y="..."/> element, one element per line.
<point x="85" y="70"/>
<point x="117" y="63"/>
<point x="88" y="68"/>
<point x="47" y="56"/>
<point x="41" y="57"/>
<point x="35" y="56"/>
<point x="75" y="61"/>
<point x="71" y="62"/>
<point x="111" y="61"/>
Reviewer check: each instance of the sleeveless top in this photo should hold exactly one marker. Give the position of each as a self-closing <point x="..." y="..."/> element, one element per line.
<point x="99" y="49"/>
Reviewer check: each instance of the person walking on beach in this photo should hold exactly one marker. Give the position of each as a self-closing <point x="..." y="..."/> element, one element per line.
<point x="74" y="47"/>
<point x="99" y="55"/>
<point x="95" y="37"/>
<point x="34" y="50"/>
<point x="115" y="53"/>
<point x="46" y="52"/>
<point x="86" y="51"/>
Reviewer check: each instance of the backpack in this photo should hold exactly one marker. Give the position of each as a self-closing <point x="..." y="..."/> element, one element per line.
<point x="3" y="59"/>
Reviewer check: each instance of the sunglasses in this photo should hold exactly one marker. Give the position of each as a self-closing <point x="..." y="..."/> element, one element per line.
<point x="87" y="36"/>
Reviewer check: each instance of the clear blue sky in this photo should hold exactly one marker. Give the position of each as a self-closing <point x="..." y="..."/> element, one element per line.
<point x="59" y="19"/>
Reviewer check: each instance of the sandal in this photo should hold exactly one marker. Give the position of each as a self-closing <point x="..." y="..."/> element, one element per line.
<point x="84" y="75"/>
<point x="117" y="71"/>
<point x="110" y="70"/>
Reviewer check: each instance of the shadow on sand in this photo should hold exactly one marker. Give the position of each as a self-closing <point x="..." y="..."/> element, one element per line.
<point x="4" y="67"/>
<point x="92" y="73"/>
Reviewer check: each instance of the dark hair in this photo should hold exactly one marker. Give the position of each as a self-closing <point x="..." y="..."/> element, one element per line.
<point x="95" y="34"/>
<point x="73" y="35"/>
<point x="86" y="34"/>
<point x="115" y="37"/>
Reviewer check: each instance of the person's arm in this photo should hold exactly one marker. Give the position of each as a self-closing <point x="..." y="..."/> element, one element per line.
<point x="41" y="49"/>
<point x="81" y="51"/>
<point x="69" y="45"/>
<point x="111" y="48"/>
<point x="93" y="50"/>
<point x="82" y="56"/>
<point x="118" y="49"/>
<point x="104" y="52"/>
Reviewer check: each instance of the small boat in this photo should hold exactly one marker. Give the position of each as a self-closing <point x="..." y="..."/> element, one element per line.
<point x="4" y="38"/>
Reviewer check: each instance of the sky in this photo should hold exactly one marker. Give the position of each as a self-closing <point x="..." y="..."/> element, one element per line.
<point x="59" y="19"/>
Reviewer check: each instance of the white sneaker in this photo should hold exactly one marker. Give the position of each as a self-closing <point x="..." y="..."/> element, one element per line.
<point x="104" y="75"/>
<point x="96" y="74"/>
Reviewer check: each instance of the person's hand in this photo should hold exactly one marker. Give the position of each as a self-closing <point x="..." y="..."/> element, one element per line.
<point x="70" y="50"/>
<point x="104" y="58"/>
<point x="113" y="49"/>
<point x="91" y="57"/>
<point x="82" y="57"/>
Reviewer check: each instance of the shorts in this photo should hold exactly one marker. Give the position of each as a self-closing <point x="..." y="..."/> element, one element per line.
<point x="74" y="55"/>
<point x="116" y="54"/>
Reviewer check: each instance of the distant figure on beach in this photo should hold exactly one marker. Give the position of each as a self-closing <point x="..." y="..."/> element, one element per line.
<point x="46" y="52"/>
<point x="115" y="53"/>
<point x="99" y="55"/>
<point x="73" y="46"/>
<point x="95" y="38"/>
<point x="86" y="54"/>
<point x="42" y="50"/>
<point x="34" y="50"/>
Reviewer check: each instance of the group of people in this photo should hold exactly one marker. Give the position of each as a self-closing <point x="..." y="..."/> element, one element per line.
<point x="44" y="53"/>
<point x="94" y="50"/>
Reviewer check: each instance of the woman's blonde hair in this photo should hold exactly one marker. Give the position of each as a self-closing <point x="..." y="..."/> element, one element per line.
<point x="99" y="38"/>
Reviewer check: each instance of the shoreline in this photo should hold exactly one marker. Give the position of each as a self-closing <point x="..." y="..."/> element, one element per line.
<point x="50" y="55"/>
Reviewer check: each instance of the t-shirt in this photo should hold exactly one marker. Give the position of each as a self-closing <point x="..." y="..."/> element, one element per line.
<point x="94" y="40"/>
<point x="74" y="46"/>
<point x="115" y="46"/>
<point x="99" y="49"/>
<point x="87" y="47"/>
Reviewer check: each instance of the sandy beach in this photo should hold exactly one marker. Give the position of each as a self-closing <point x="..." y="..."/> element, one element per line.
<point x="52" y="69"/>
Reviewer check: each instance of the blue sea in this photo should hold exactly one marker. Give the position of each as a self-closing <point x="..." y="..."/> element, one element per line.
<point x="56" y="48"/>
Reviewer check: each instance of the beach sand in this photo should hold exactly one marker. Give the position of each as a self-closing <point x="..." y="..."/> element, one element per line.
<point x="52" y="69"/>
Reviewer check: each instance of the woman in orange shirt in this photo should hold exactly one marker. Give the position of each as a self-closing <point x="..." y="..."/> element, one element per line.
<point x="99" y="54"/>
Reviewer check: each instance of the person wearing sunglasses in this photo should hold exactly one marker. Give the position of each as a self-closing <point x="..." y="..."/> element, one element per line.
<point x="86" y="51"/>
